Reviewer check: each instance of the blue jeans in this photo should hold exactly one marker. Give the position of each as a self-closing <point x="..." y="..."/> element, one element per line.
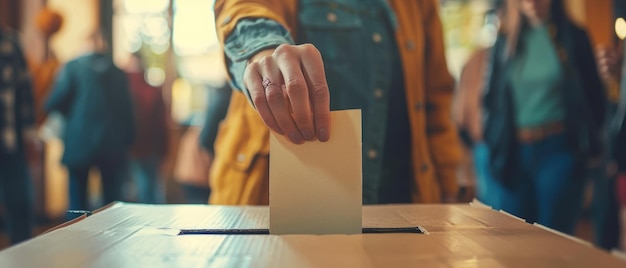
<point x="488" y="189"/>
<point x="17" y="192"/>
<point x="113" y="170"/>
<point x="146" y="177"/>
<point x="549" y="187"/>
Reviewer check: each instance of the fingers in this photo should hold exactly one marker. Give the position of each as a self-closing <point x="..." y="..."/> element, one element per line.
<point x="254" y="83"/>
<point x="277" y="99"/>
<point x="289" y="90"/>
<point x="313" y="70"/>
<point x="609" y="63"/>
<point x="271" y="100"/>
<point x="296" y="88"/>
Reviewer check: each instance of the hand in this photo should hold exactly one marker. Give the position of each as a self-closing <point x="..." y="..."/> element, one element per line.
<point x="609" y="63"/>
<point x="288" y="88"/>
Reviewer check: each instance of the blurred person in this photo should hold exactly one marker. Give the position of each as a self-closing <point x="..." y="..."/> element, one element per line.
<point x="468" y="116"/>
<point x="17" y="137"/>
<point x="196" y="188"/>
<point x="308" y="57"/>
<point x="191" y="169"/>
<point x="48" y="22"/>
<point x="94" y="97"/>
<point x="543" y="110"/>
<point x="217" y="107"/>
<point x="612" y="65"/>
<point x="151" y="142"/>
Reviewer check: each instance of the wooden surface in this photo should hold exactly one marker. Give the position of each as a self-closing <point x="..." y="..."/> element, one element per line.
<point x="129" y="235"/>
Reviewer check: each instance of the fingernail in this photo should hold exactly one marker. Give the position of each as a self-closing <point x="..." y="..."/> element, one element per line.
<point x="322" y="134"/>
<point x="308" y="134"/>
<point x="295" y="138"/>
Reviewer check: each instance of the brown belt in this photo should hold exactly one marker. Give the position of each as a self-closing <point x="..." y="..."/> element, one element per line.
<point x="533" y="134"/>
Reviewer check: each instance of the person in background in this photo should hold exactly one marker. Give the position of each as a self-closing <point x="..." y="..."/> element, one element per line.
<point x="467" y="113"/>
<point x="44" y="72"/>
<point x="383" y="57"/>
<point x="93" y="96"/>
<point x="151" y="141"/>
<point x="49" y="22"/>
<point x="611" y="200"/>
<point x="17" y="137"/>
<point x="543" y="113"/>
<point x="191" y="169"/>
<point x="197" y="191"/>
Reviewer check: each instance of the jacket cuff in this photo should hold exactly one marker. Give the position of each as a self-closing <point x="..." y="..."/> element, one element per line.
<point x="249" y="38"/>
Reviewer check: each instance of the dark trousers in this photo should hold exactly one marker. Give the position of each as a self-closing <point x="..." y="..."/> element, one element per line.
<point x="16" y="189"/>
<point x="113" y="171"/>
<point x="146" y="176"/>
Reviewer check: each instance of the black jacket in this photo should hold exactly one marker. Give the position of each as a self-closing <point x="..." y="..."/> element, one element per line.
<point x="618" y="127"/>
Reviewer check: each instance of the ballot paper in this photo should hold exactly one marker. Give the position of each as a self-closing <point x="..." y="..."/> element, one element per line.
<point x="315" y="187"/>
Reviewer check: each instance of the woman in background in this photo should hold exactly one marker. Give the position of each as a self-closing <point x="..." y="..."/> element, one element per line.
<point x="543" y="110"/>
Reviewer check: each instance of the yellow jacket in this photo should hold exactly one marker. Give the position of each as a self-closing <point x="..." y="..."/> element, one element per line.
<point x="239" y="174"/>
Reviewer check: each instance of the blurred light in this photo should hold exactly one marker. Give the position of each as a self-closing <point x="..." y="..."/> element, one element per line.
<point x="155" y="76"/>
<point x="192" y="3"/>
<point x="620" y="28"/>
<point x="488" y="35"/>
<point x="159" y="48"/>
<point x="181" y="90"/>
<point x="181" y="94"/>
<point x="194" y="27"/>
<point x="155" y="27"/>
<point x="133" y="45"/>
<point x="146" y="6"/>
<point x="132" y="40"/>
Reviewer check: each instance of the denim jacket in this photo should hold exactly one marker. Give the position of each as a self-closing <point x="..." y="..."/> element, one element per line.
<point x="357" y="40"/>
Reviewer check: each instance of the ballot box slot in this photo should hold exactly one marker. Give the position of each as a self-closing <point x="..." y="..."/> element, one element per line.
<point x="366" y="230"/>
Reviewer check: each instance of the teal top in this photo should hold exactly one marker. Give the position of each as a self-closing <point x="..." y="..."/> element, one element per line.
<point x="536" y="80"/>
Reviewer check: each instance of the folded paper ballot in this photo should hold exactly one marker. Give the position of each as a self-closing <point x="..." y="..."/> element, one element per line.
<point x="315" y="187"/>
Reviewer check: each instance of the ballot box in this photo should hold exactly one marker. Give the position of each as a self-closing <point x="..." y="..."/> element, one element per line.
<point x="137" y="235"/>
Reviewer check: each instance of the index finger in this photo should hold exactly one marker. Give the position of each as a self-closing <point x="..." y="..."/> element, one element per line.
<point x="313" y="70"/>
